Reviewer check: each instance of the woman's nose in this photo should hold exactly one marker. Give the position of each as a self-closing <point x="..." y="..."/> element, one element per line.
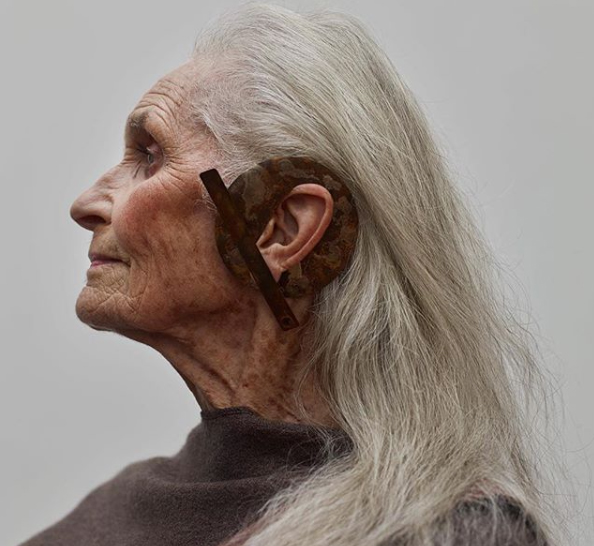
<point x="91" y="208"/>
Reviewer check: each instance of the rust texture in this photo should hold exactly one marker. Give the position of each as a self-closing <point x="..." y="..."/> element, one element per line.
<point x="247" y="247"/>
<point x="257" y="193"/>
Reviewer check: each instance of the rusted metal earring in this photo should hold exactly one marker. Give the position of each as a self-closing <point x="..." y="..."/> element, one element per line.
<point x="246" y="207"/>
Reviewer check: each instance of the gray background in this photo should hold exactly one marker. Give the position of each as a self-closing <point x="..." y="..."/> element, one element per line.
<point x="509" y="90"/>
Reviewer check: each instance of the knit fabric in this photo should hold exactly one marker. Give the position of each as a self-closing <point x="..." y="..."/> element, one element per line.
<point x="231" y="463"/>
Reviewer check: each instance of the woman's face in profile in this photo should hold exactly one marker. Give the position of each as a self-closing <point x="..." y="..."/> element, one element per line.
<point x="148" y="212"/>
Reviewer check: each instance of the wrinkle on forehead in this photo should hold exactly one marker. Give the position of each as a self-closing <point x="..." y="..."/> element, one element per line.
<point x="172" y="93"/>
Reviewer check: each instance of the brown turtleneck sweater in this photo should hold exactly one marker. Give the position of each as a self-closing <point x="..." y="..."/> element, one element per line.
<point x="232" y="462"/>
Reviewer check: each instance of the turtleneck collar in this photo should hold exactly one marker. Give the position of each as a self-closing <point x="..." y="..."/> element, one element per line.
<point x="235" y="443"/>
<point x="232" y="462"/>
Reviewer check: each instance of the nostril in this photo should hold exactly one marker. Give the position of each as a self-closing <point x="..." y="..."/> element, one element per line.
<point x="93" y="206"/>
<point x="90" y="221"/>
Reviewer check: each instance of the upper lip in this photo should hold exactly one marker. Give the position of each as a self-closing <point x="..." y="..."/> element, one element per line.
<point x="98" y="256"/>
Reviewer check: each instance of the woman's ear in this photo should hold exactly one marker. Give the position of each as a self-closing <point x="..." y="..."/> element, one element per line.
<point x="296" y="227"/>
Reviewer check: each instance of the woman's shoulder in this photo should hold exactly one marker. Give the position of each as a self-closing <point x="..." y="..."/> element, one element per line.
<point x="500" y="521"/>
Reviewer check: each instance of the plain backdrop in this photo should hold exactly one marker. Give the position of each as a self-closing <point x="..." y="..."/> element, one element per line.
<point x="508" y="87"/>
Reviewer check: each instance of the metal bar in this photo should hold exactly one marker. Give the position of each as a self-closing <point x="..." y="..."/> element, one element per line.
<point x="235" y="223"/>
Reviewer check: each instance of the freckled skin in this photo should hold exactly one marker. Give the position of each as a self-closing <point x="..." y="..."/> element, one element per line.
<point x="172" y="291"/>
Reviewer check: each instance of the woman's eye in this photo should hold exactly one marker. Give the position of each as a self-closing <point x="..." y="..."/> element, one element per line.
<point x="149" y="157"/>
<point x="148" y="154"/>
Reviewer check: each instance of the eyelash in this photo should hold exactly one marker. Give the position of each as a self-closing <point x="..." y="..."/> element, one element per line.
<point x="145" y="152"/>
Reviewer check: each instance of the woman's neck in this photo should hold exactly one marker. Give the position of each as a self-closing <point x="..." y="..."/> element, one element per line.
<point x="242" y="358"/>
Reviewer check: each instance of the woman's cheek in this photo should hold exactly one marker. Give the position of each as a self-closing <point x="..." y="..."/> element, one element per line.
<point x="171" y="233"/>
<point x="134" y="220"/>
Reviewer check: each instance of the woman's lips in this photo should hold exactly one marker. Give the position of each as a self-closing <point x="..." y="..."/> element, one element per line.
<point x="96" y="263"/>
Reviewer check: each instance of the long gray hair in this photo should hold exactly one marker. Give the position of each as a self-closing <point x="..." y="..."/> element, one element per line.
<point x="414" y="348"/>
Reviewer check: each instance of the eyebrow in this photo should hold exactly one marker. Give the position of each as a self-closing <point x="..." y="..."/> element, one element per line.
<point x="137" y="122"/>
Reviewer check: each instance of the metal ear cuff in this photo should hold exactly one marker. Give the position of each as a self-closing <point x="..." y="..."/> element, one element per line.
<point x="246" y="207"/>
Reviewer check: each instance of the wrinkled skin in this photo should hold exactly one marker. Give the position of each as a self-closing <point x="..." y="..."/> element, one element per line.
<point x="171" y="289"/>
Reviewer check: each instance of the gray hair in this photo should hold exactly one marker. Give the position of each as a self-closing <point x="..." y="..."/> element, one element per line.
<point x="414" y="348"/>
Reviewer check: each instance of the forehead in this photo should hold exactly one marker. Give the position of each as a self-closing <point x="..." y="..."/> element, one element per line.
<point x="167" y="99"/>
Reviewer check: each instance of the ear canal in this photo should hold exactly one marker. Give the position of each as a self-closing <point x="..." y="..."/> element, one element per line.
<point x="256" y="195"/>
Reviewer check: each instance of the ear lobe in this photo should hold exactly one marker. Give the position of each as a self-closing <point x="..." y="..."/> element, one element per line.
<point x="296" y="227"/>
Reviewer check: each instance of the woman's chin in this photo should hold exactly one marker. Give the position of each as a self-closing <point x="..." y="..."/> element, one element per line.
<point x="99" y="311"/>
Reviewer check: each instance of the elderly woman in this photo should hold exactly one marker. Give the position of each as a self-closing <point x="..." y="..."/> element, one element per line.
<point x="361" y="387"/>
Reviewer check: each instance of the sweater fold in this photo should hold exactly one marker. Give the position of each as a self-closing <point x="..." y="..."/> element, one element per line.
<point x="231" y="463"/>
